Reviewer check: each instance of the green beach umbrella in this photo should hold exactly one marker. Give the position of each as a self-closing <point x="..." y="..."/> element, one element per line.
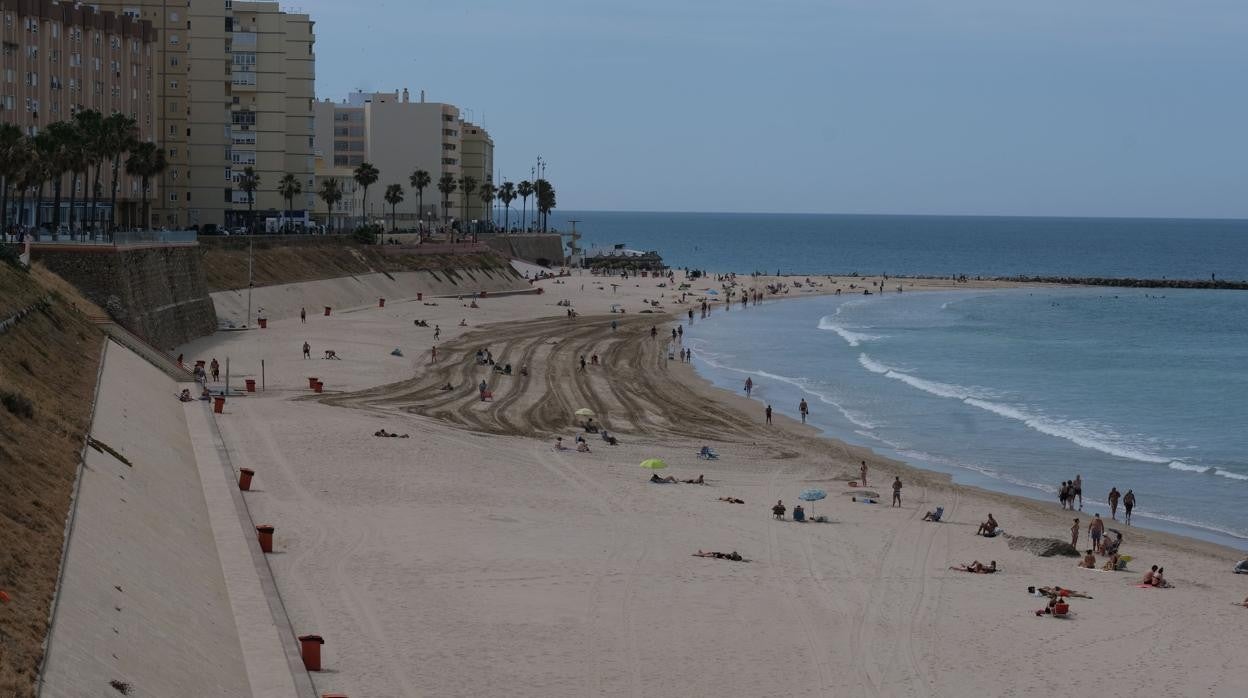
<point x="584" y="412"/>
<point x="653" y="464"/>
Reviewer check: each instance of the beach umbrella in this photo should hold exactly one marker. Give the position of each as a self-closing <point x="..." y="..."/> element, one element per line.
<point x="584" y="412"/>
<point x="812" y="495"/>
<point x="653" y="464"/>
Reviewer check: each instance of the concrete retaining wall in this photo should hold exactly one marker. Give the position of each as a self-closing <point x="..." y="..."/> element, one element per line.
<point x="530" y="248"/>
<point x="155" y="292"/>
<point x="285" y="300"/>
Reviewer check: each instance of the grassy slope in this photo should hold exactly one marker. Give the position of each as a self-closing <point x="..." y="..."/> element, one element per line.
<point x="51" y="358"/>
<point x="225" y="262"/>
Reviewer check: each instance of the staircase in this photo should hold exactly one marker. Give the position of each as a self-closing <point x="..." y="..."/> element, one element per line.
<point x="149" y="353"/>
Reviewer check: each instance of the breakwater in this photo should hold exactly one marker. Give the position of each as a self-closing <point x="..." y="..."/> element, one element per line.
<point x="1129" y="283"/>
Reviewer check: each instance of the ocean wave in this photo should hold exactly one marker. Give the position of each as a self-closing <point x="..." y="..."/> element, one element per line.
<point x="856" y="418"/>
<point x="1227" y="473"/>
<point x="949" y="390"/>
<point x="1180" y="465"/>
<point x="851" y="337"/>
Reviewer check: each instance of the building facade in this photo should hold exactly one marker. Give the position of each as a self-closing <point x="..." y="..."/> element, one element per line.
<point x="234" y="84"/>
<point x="477" y="160"/>
<point x="60" y="58"/>
<point x="399" y="136"/>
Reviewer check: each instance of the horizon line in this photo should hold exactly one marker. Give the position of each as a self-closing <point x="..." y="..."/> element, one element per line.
<point x="910" y="215"/>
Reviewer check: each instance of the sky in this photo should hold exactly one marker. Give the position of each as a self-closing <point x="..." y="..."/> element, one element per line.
<point x="1131" y="108"/>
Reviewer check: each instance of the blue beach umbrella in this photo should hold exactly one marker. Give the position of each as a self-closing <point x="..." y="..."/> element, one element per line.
<point x="812" y="495"/>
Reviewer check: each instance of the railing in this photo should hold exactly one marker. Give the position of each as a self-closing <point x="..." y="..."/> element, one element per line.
<point x="116" y="239"/>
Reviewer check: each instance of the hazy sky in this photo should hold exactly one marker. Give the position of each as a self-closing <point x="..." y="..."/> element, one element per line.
<point x="1056" y="107"/>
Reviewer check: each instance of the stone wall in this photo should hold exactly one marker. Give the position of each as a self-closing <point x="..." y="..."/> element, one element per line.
<point x="157" y="292"/>
<point x="546" y="250"/>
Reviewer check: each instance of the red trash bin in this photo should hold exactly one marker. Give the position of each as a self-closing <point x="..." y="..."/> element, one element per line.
<point x="312" y="382"/>
<point x="244" y="478"/>
<point x="218" y="405"/>
<point x="310" y="650"/>
<point x="327" y="311"/>
<point x="264" y="533"/>
<point x="381" y="302"/>
<point x="420" y="296"/>
<point x="317" y="386"/>
<point x="263" y="322"/>
<point x="251" y="385"/>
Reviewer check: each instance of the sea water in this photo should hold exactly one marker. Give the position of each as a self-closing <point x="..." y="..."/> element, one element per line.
<point x="1017" y="390"/>
<point x="925" y="245"/>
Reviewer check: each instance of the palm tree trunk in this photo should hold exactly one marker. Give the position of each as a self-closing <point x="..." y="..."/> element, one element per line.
<point x="95" y="195"/>
<point x="56" y="203"/>
<point x="73" y="188"/>
<point x="4" y="204"/>
<point x="112" y="208"/>
<point x="146" y="218"/>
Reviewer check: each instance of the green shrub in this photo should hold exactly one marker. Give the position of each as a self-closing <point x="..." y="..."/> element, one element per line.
<point x="18" y="404"/>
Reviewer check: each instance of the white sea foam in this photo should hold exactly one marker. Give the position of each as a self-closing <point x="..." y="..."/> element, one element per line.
<point x="1233" y="476"/>
<point x="937" y="388"/>
<point x="851" y="337"/>
<point x="1180" y="465"/>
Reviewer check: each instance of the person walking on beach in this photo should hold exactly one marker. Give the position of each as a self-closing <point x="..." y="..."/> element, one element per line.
<point x="896" y="492"/>
<point x="654" y="332"/>
<point x="1074" y="535"/>
<point x="749" y="386"/>
<point x="433" y="355"/>
<point x="804" y="409"/>
<point x="1077" y="491"/>
<point x="1096" y="528"/>
<point x="307" y="350"/>
<point x="216" y="370"/>
<point x="582" y="363"/>
<point x="1113" y="503"/>
<point x="1128" y="503"/>
<point x="303" y="315"/>
<point x="437" y="332"/>
<point x="862" y="470"/>
<point x="768" y="414"/>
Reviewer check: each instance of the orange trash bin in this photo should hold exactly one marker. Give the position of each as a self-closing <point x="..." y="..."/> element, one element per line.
<point x="310" y="650"/>
<point x="218" y="405"/>
<point x="264" y="533"/>
<point x="244" y="478"/>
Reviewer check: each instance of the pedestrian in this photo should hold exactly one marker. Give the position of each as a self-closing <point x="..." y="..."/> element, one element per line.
<point x="614" y="325"/>
<point x="1074" y="535"/>
<point x="307" y="350"/>
<point x="216" y="370"/>
<point x="1128" y="503"/>
<point x="303" y="315"/>
<point x="433" y="355"/>
<point x="582" y="363"/>
<point x="769" y="414"/>
<point x="862" y="469"/>
<point x="749" y="386"/>
<point x="654" y="332"/>
<point x="1096" y="528"/>
<point x="437" y="332"/>
<point x="896" y="491"/>
<point x="1113" y="503"/>
<point x="804" y="409"/>
<point x="1077" y="491"/>
<point x="482" y="388"/>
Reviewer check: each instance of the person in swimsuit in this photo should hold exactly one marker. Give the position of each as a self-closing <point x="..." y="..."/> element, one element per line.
<point x="1114" y="496"/>
<point x="1128" y="503"/>
<point x="778" y="510"/>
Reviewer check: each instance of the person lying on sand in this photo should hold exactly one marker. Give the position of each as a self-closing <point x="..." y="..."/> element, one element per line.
<point x="699" y="480"/>
<point x="582" y="447"/>
<point x="864" y="500"/>
<point x="987" y="527"/>
<point x="1061" y="591"/>
<point x="1088" y="561"/>
<point x="1244" y="604"/>
<point x="463" y="322"/>
<point x="733" y="500"/>
<point x="331" y="354"/>
<point x="609" y="438"/>
<point x="186" y="395"/>
<point x="392" y="435"/>
<point x="977" y="567"/>
<point x="559" y="444"/>
<point x="669" y="480"/>
<point x="447" y="388"/>
<point x="734" y="556"/>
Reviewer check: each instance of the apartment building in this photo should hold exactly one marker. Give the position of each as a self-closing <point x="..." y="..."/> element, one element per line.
<point x="477" y="161"/>
<point x="234" y="83"/>
<point x="398" y="136"/>
<point x="60" y="58"/>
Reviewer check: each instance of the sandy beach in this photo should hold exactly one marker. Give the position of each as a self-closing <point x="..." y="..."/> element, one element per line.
<point x="472" y="558"/>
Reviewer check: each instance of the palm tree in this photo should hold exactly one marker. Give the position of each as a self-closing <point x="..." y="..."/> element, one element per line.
<point x="121" y="135"/>
<point x="249" y="182"/>
<point x="11" y="147"/>
<point x="366" y="174"/>
<point x="487" y="194"/>
<point x="525" y="190"/>
<point x="506" y="194"/>
<point x="468" y="184"/>
<point x="446" y="185"/>
<point x="419" y="180"/>
<point x="331" y="194"/>
<point x="90" y="125"/>
<point x="51" y="143"/>
<point x="29" y="173"/>
<point x="75" y="151"/>
<point x="289" y="187"/>
<point x="544" y="200"/>
<point x="146" y="161"/>
<point x="394" y="197"/>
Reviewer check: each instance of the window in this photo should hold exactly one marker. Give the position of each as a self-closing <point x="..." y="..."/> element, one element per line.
<point x="173" y="61"/>
<point x="173" y="152"/>
<point x="243" y="118"/>
<point x="173" y="84"/>
<point x="244" y="58"/>
<point x="173" y="196"/>
<point x="173" y="39"/>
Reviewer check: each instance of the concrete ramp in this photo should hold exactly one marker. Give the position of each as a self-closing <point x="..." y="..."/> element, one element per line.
<point x="144" y="607"/>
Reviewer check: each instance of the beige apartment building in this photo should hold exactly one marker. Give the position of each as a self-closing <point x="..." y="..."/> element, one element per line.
<point x="61" y="58"/>
<point x="234" y="83"/>
<point x="476" y="160"/>
<point x="399" y="136"/>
